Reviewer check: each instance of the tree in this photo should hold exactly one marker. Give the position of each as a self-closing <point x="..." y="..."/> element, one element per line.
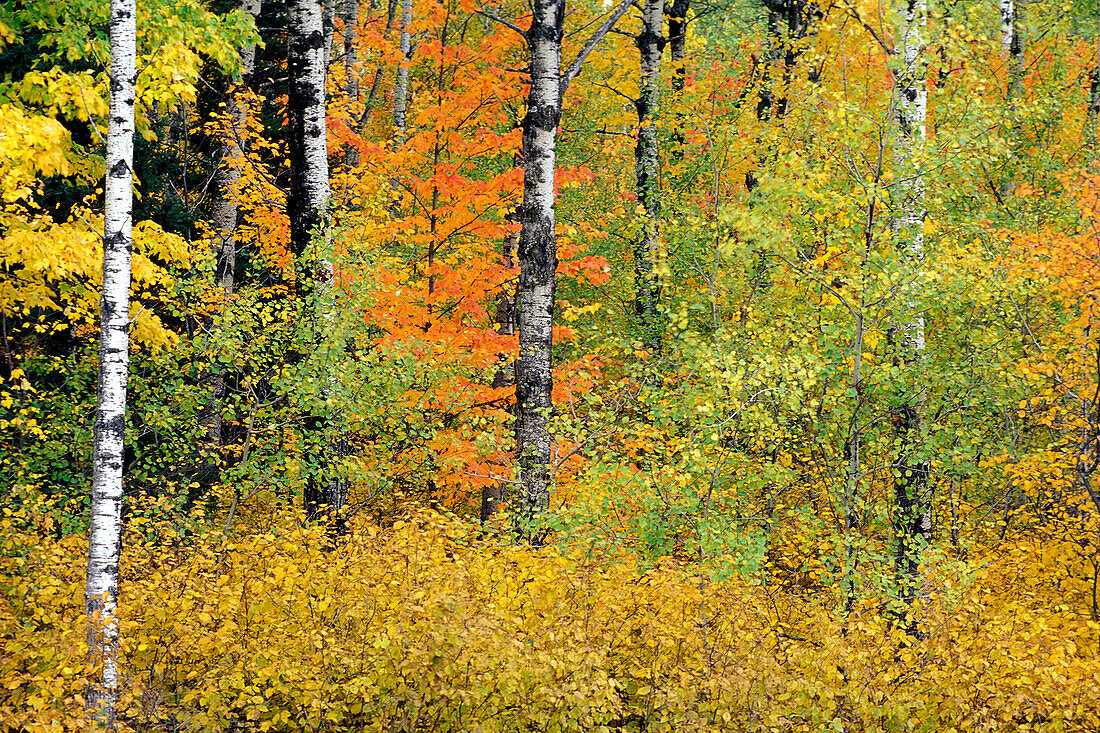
<point x="223" y="215"/>
<point x="913" y="521"/>
<point x="650" y="45"/>
<point x="537" y="252"/>
<point x="105" y="532"/>
<point x="306" y="205"/>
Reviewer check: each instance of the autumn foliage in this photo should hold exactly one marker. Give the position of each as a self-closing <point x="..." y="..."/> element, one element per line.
<point x="723" y="534"/>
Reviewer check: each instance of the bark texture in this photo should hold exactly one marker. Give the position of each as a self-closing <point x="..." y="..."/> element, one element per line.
<point x="538" y="260"/>
<point x="104" y="539"/>
<point x="306" y="206"/>
<point x="650" y="45"/>
<point x="912" y="511"/>
<point x="350" y="13"/>
<point x="401" y="89"/>
<point x="677" y="41"/>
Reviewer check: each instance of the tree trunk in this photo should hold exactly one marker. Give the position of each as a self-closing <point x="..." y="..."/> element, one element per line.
<point x="650" y="45"/>
<point x="1012" y="47"/>
<point x="912" y="511"/>
<point x="401" y="90"/>
<point x="306" y="204"/>
<point x="105" y="533"/>
<point x="677" y="42"/>
<point x="538" y="260"/>
<point x="227" y="180"/>
<point x="328" y="25"/>
<point x="368" y="106"/>
<point x="351" y="69"/>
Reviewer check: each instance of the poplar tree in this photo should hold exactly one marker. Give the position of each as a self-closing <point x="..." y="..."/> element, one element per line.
<point x="105" y="532"/>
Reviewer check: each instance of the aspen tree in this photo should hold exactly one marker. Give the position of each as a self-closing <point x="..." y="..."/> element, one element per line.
<point x="105" y="532"/>
<point x="401" y="89"/>
<point x="913" y="511"/>
<point x="351" y="68"/>
<point x="677" y="41"/>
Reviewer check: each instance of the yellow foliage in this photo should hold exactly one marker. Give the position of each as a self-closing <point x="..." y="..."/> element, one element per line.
<point x="423" y="626"/>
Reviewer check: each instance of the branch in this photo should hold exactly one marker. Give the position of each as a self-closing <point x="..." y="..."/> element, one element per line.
<point x="503" y="22"/>
<point x="575" y="67"/>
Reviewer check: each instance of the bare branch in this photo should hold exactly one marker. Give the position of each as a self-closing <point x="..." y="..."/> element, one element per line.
<point x="575" y="67"/>
<point x="503" y="22"/>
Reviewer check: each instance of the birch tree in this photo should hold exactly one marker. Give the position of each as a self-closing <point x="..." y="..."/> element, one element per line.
<point x="537" y="252"/>
<point x="105" y="532"/>
<point x="650" y="45"/>
<point x="306" y="206"/>
<point x="913" y="512"/>
<point x="401" y="89"/>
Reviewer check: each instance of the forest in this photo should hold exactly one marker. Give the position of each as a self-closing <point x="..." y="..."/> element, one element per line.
<point x="486" y="365"/>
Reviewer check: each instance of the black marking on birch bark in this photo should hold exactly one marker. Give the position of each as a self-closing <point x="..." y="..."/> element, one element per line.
<point x="119" y="170"/>
<point x="545" y="117"/>
<point x="114" y="427"/>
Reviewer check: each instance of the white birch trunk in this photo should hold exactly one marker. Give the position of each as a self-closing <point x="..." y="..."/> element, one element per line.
<point x="1008" y="26"/>
<point x="105" y="533"/>
<point x="306" y="206"/>
<point x="538" y="260"/>
<point x="401" y="90"/>
<point x="650" y="45"/>
<point x="913" y="513"/>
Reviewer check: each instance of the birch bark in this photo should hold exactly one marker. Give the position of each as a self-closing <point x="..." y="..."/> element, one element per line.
<point x="351" y="70"/>
<point x="537" y="253"/>
<point x="306" y="206"/>
<point x="913" y="513"/>
<point x="104" y="538"/>
<point x="650" y="45"/>
<point x="538" y="260"/>
<point x="401" y="90"/>
<point x="677" y="41"/>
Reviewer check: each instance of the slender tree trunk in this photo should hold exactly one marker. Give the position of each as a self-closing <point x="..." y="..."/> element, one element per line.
<point x="650" y="45"/>
<point x="912" y="511"/>
<point x="105" y="533"/>
<point x="328" y="26"/>
<point x="227" y="181"/>
<point x="787" y="23"/>
<point x="1092" y="115"/>
<point x="1008" y="27"/>
<point x="351" y="70"/>
<point x="677" y="42"/>
<point x="401" y="90"/>
<point x="538" y="261"/>
<point x="1012" y="48"/>
<point x="306" y="204"/>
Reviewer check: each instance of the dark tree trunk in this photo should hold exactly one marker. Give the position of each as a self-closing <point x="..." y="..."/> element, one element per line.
<point x="650" y="45"/>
